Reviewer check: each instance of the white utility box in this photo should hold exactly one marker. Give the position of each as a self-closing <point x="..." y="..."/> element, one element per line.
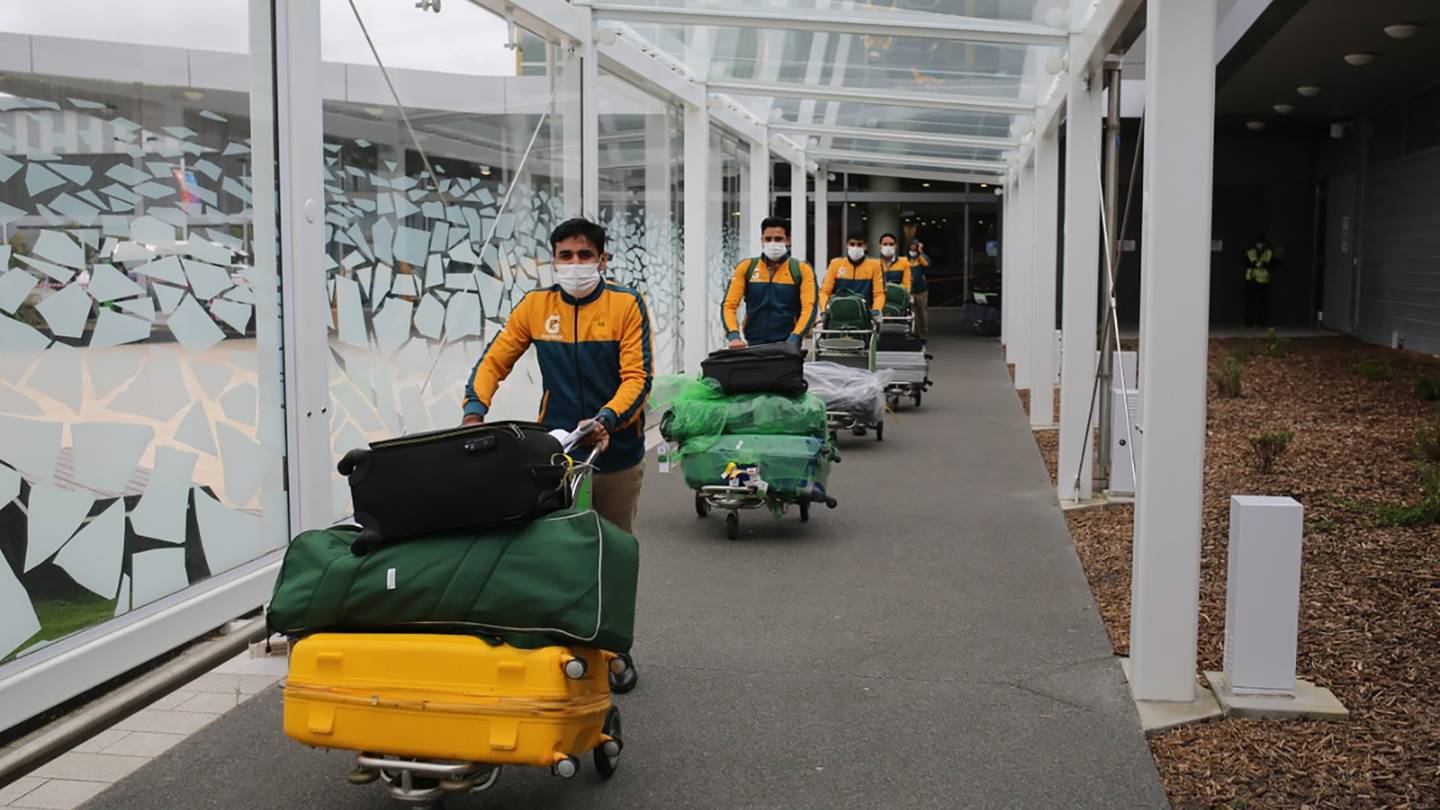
<point x="1262" y="594"/>
<point x="1124" y="426"/>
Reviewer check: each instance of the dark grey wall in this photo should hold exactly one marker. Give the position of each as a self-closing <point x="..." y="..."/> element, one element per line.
<point x="1399" y="281"/>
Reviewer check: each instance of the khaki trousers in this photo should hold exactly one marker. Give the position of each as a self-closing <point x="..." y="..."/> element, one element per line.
<point x="616" y="495"/>
<point x="921" y="301"/>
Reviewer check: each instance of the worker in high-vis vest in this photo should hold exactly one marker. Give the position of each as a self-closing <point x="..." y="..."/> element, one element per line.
<point x="1258" y="260"/>
<point x="855" y="274"/>
<point x="919" y="288"/>
<point x="778" y="291"/>
<point x="897" y="270"/>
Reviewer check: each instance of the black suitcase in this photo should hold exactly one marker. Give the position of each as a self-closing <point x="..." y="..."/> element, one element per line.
<point x="769" y="368"/>
<point x="467" y="477"/>
<point x="900" y="343"/>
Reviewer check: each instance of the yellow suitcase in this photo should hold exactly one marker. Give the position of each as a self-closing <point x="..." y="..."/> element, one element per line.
<point x="448" y="697"/>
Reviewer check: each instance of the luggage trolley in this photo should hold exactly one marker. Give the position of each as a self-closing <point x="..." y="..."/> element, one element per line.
<point x="849" y="335"/>
<point x="742" y="486"/>
<point x="426" y="740"/>
<point x="900" y="350"/>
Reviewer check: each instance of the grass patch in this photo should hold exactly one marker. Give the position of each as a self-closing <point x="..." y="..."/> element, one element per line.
<point x="1276" y="346"/>
<point x="1269" y="447"/>
<point x="1227" y="378"/>
<point x="1372" y="369"/>
<point x="60" y="618"/>
<point x="1428" y="389"/>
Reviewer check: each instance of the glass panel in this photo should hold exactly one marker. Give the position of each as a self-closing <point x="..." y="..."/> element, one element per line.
<point x="638" y="205"/>
<point x="140" y="401"/>
<point x="1019" y="10"/>
<point x="726" y="156"/>
<point x="417" y="290"/>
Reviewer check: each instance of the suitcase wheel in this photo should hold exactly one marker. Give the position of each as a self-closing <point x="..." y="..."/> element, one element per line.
<point x="607" y="754"/>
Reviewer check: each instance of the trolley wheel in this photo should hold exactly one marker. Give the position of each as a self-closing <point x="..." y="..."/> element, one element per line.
<point x="606" y="762"/>
<point x="804" y="511"/>
<point x="732" y="525"/>
<point x="916" y="397"/>
<point x="702" y="506"/>
<point x="880" y="432"/>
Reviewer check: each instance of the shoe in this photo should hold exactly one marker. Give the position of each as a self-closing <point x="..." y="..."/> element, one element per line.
<point x="625" y="681"/>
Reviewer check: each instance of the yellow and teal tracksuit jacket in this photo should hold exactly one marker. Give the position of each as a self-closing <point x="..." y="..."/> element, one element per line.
<point x="866" y="279"/>
<point x="898" y="273"/>
<point x="596" y="360"/>
<point x="779" y="302"/>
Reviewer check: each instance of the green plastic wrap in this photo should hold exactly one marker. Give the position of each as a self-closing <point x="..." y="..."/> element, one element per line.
<point x="694" y="409"/>
<point x="788" y="464"/>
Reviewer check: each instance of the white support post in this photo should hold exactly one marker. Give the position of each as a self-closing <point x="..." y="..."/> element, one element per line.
<point x="568" y="106"/>
<point x="1175" y="286"/>
<point x="1018" y="350"/>
<point x="590" y="128"/>
<point x="819" y="250"/>
<point x="1042" y="285"/>
<point x="1082" y="279"/>
<point x="302" y="239"/>
<point x="1008" y="250"/>
<point x="799" y="225"/>
<point x="758" y="202"/>
<point x="697" y="229"/>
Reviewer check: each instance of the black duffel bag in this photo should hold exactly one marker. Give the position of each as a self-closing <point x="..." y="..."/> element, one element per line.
<point x="769" y="368"/>
<point x="467" y="477"/>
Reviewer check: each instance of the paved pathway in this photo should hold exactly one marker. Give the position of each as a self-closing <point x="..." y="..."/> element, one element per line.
<point x="931" y="643"/>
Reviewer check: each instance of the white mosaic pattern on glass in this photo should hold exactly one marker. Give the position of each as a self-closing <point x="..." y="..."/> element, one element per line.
<point x="131" y="313"/>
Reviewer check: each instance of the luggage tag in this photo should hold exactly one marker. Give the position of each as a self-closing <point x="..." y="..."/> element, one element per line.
<point x="662" y="454"/>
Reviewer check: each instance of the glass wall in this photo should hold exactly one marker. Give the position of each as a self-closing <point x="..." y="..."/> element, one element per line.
<point x="424" y="262"/>
<point x="641" y="143"/>
<point x="727" y="156"/>
<point x="141" y="431"/>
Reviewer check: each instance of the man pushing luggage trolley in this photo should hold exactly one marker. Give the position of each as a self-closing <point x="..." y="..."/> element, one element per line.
<point x="593" y="342"/>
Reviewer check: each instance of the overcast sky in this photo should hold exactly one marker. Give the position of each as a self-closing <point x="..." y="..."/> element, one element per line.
<point x="463" y="38"/>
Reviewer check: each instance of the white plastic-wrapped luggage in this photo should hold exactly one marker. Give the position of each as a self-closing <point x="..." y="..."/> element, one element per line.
<point x="849" y="390"/>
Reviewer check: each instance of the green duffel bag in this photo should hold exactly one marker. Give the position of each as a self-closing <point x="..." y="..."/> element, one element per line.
<point x="699" y="409"/>
<point x="567" y="578"/>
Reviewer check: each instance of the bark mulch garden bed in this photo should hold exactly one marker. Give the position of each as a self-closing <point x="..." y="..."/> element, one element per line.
<point x="1370" y="593"/>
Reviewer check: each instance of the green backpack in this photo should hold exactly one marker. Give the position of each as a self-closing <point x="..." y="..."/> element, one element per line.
<point x="847" y="312"/>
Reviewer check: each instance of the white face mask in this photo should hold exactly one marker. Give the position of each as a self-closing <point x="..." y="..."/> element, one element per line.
<point x="888" y="251"/>
<point x="579" y="280"/>
<point x="856" y="254"/>
<point x="775" y="251"/>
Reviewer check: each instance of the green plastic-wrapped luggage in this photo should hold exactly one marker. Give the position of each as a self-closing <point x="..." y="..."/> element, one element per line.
<point x="697" y="408"/>
<point x="788" y="464"/>
<point x="567" y="578"/>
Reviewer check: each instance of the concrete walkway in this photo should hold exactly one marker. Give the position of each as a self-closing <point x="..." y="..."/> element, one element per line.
<point x="931" y="643"/>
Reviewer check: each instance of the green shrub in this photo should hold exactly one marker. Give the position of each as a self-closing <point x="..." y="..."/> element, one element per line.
<point x="1241" y="350"/>
<point x="1276" y="346"/>
<point x="1227" y="378"/>
<point x="1426" y="447"/>
<point x="1425" y="512"/>
<point x="1428" y="389"/>
<point x="1372" y="369"/>
<point x="1269" y="447"/>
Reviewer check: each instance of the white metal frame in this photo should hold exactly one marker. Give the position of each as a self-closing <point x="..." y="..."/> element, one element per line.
<point x="994" y="168"/>
<point x="932" y="101"/>
<point x="899" y="136"/>
<point x="864" y="22"/>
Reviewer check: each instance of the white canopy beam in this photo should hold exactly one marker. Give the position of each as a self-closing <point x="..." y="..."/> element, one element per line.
<point x="865" y="22"/>
<point x="914" y="174"/>
<point x="899" y="136"/>
<point x="931" y="101"/>
<point x="978" y="166"/>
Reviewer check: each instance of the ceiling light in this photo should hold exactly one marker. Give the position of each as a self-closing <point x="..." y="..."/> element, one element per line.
<point x="607" y="36"/>
<point x="1284" y="109"/>
<point x="1308" y="90"/>
<point x="1255" y="126"/>
<point x="1359" y="59"/>
<point x="1055" y="63"/>
<point x="484" y="171"/>
<point x="1401" y="31"/>
<point x="984" y="185"/>
<point x="926" y="185"/>
<point x="194" y="95"/>
<point x="375" y="111"/>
